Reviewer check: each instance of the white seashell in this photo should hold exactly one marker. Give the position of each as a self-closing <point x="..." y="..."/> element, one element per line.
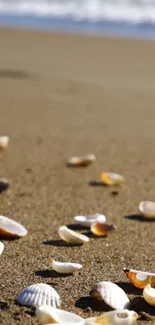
<point x="72" y="237"/>
<point x="112" y="178"/>
<point x="4" y="140"/>
<point x="10" y="228"/>
<point x="111" y="294"/>
<point x="47" y="314"/>
<point x="39" y="294"/>
<point x="116" y="317"/>
<point x="87" y="221"/>
<point x="81" y="161"/>
<point x="149" y="295"/>
<point x="147" y="209"/>
<point x="65" y="268"/>
<point x="1" y="247"/>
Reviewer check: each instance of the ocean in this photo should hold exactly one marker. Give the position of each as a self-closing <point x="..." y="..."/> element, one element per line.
<point x="124" y="18"/>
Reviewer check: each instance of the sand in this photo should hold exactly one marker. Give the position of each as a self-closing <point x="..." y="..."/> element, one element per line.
<point x="60" y="96"/>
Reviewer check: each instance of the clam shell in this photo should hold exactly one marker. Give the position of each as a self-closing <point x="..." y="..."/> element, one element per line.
<point x="39" y="294"/>
<point x="81" y="161"/>
<point x="109" y="293"/>
<point x="147" y="209"/>
<point x="48" y="314"/>
<point x="65" y="268"/>
<point x="72" y="237"/>
<point x="140" y="278"/>
<point x="112" y="178"/>
<point x="87" y="221"/>
<point x="1" y="247"/>
<point x="149" y="295"/>
<point x="10" y="228"/>
<point x="102" y="229"/>
<point x="116" y="317"/>
<point x="4" y="140"/>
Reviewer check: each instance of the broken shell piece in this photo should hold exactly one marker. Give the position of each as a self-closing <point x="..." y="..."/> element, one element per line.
<point x="4" y="184"/>
<point x="10" y="228"/>
<point x="65" y="268"/>
<point x="149" y="295"/>
<point x="1" y="247"/>
<point x="87" y="221"/>
<point x="140" y="278"/>
<point x="72" y="237"/>
<point x="109" y="293"/>
<point x="112" y="178"/>
<point x="47" y="314"/>
<point x="102" y="229"/>
<point x="116" y="317"/>
<point x="147" y="209"/>
<point x="81" y="161"/>
<point x="4" y="140"/>
<point x="39" y="294"/>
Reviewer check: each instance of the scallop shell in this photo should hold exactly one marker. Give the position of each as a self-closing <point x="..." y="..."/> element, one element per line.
<point x="100" y="229"/>
<point x="81" y="161"/>
<point x="87" y="221"/>
<point x="39" y="294"/>
<point x="4" y="140"/>
<point x="116" y="317"/>
<point x="111" y="294"/>
<point x="147" y="209"/>
<point x="47" y="314"/>
<point x="72" y="237"/>
<point x="1" y="247"/>
<point x="10" y="228"/>
<point x="65" y="268"/>
<point x="140" y="278"/>
<point x="112" y="178"/>
<point x="149" y="295"/>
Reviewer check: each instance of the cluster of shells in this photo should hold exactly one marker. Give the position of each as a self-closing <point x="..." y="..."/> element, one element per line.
<point x="46" y="299"/>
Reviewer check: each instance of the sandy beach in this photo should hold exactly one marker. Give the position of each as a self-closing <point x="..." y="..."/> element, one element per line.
<point x="66" y="95"/>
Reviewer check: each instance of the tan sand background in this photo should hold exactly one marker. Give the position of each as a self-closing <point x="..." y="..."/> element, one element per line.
<point x="63" y="95"/>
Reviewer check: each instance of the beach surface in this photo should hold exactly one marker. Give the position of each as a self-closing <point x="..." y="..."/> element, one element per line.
<point x="63" y="96"/>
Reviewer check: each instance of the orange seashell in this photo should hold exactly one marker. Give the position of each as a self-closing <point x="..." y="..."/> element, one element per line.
<point x="102" y="229"/>
<point x="81" y="161"/>
<point x="140" y="278"/>
<point x="112" y="178"/>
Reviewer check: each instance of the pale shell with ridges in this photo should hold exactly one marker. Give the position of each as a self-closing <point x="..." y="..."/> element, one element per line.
<point x="109" y="293"/>
<point x="87" y="221"/>
<point x="39" y="294"/>
<point x="66" y="267"/>
<point x="116" y="317"/>
<point x="149" y="295"/>
<point x="1" y="247"/>
<point x="71" y="236"/>
<point x="47" y="314"/>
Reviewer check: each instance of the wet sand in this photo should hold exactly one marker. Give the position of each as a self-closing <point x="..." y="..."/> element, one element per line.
<point x="61" y="96"/>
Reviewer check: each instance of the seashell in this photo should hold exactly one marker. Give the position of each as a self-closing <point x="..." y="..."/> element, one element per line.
<point x="4" y="140"/>
<point x="112" y="178"/>
<point x="47" y="314"/>
<point x="149" y="295"/>
<point x="140" y="278"/>
<point x="87" y="221"/>
<point x="72" y="237"/>
<point x="102" y="229"/>
<point x="39" y="294"/>
<point x="10" y="228"/>
<point x="81" y="161"/>
<point x="109" y="293"/>
<point x="4" y="184"/>
<point x="1" y="247"/>
<point x="116" y="317"/>
<point x="65" y="268"/>
<point x="147" y="209"/>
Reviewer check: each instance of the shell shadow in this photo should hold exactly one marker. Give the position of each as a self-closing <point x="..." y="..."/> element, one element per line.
<point x="59" y="243"/>
<point x="138" y="217"/>
<point x="51" y="274"/>
<point x="91" y="235"/>
<point x="74" y="226"/>
<point x="4" y="305"/>
<point x="129" y="288"/>
<point x="139" y="305"/>
<point x="97" y="183"/>
<point x="90" y="302"/>
<point x="4" y="186"/>
<point x="13" y="74"/>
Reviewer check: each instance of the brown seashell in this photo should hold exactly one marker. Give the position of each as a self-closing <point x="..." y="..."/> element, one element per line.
<point x="81" y="161"/>
<point x="102" y="229"/>
<point x="140" y="278"/>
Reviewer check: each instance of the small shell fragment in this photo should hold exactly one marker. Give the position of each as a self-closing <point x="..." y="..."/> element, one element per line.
<point x="87" y="221"/>
<point x="47" y="314"/>
<point x="81" y="161"/>
<point x="149" y="295"/>
<point x="102" y="229"/>
<point x="4" y="184"/>
<point x="39" y="294"/>
<point x="140" y="278"/>
<point x="109" y="293"/>
<point x="65" y="268"/>
<point x="72" y="237"/>
<point x="10" y="228"/>
<point x="147" y="209"/>
<point x="116" y="317"/>
<point x="112" y="179"/>
<point x="4" y="140"/>
<point x="1" y="247"/>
